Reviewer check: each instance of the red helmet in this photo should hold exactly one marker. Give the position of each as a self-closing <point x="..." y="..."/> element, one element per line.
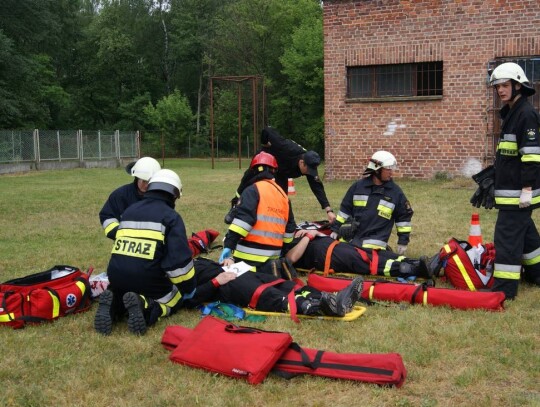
<point x="264" y="159"/>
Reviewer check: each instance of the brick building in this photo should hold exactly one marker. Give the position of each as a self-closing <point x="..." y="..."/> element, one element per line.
<point x="410" y="77"/>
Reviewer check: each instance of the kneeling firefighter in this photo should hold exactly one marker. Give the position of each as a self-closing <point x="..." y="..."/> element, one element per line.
<point x="151" y="268"/>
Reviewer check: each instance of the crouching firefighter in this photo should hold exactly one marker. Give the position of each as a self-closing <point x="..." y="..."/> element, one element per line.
<point x="151" y="269"/>
<point x="264" y="222"/>
<point x="265" y="292"/>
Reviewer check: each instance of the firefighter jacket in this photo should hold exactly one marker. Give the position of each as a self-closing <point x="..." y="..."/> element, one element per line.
<point x="517" y="160"/>
<point x="375" y="209"/>
<point x="263" y="224"/>
<point x="151" y="255"/>
<point x="288" y="153"/>
<point x="118" y="201"/>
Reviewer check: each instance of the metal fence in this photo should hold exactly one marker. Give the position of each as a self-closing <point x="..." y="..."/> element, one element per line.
<point x="19" y="146"/>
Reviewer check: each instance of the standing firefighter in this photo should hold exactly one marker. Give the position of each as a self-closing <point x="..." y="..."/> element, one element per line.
<point x="122" y="197"/>
<point x="264" y="221"/>
<point x="293" y="161"/>
<point x="514" y="181"/>
<point x="151" y="269"/>
<point x="373" y="204"/>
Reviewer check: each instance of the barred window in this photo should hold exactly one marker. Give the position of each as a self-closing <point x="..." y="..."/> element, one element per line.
<point x="398" y="80"/>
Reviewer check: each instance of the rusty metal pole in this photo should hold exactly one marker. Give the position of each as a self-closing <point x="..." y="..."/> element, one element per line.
<point x="239" y="126"/>
<point x="212" y="120"/>
<point x="254" y="111"/>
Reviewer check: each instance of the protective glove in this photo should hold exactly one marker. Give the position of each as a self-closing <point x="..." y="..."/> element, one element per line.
<point x="476" y="199"/>
<point x="334" y="235"/>
<point x="401" y="249"/>
<point x="525" y="198"/>
<point x="489" y="197"/>
<point x="225" y="254"/>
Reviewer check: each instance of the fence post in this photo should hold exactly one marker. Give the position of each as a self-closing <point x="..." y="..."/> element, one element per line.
<point x="36" y="148"/>
<point x="80" y="146"/>
<point x="99" y="143"/>
<point x="117" y="145"/>
<point x="58" y="143"/>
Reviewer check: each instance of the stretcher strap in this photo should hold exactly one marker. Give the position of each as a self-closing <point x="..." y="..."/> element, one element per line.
<point x="327" y="270"/>
<point x="373" y="262"/>
<point x="290" y="298"/>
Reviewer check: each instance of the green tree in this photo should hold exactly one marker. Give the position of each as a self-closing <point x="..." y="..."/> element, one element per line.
<point x="172" y="115"/>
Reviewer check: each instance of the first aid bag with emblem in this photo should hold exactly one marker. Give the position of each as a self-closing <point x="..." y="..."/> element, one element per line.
<point x="44" y="296"/>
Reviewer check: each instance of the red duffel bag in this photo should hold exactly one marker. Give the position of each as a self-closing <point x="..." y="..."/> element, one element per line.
<point x="236" y="351"/>
<point x="384" y="369"/>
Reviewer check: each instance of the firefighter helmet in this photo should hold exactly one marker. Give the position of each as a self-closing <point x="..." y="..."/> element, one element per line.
<point x="511" y="71"/>
<point x="144" y="168"/>
<point x="166" y="180"/>
<point x="264" y="158"/>
<point x="382" y="159"/>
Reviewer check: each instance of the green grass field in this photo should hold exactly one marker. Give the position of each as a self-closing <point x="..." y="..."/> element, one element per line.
<point x="454" y="358"/>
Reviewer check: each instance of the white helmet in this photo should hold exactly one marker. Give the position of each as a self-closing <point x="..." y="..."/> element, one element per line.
<point x="382" y="159"/>
<point x="511" y="71"/>
<point x="166" y="180"/>
<point x="144" y="168"/>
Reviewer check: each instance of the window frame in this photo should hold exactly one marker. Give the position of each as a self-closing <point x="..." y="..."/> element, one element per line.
<point x="410" y="75"/>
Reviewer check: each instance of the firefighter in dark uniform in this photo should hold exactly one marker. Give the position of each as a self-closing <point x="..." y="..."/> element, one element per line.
<point x="215" y="284"/>
<point x="122" y="197"/>
<point x="264" y="221"/>
<point x="151" y="269"/>
<point x="517" y="182"/>
<point x="311" y="248"/>
<point x="293" y="161"/>
<point x="373" y="205"/>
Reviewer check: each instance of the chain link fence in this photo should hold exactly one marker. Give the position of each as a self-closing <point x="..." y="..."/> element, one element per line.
<point x="79" y="146"/>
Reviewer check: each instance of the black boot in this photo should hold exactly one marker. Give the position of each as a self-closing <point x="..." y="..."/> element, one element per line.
<point x="135" y="308"/>
<point x="105" y="314"/>
<point x="232" y="212"/>
<point x="343" y="302"/>
<point x="434" y="265"/>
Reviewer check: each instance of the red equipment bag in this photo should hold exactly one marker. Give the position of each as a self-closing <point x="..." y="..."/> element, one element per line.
<point x="465" y="268"/>
<point x="415" y="293"/>
<point x="383" y="369"/>
<point x="201" y="241"/>
<point x="236" y="351"/>
<point x="44" y="296"/>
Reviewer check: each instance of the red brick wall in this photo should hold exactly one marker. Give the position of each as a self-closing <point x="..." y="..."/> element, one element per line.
<point x="451" y="135"/>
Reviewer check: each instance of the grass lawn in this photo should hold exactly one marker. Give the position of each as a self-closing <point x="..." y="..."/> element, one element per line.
<point x="454" y="358"/>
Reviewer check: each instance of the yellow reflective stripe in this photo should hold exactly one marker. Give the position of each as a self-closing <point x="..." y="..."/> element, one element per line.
<point x="424" y="298"/>
<point x="359" y="203"/>
<point x="371" y="288"/>
<point x="387" y="267"/>
<point x="463" y="272"/>
<point x="111" y="227"/>
<point x="141" y="233"/>
<point x="81" y="286"/>
<point x="507" y="275"/>
<point x="404" y="229"/>
<point x="7" y="317"/>
<point x="287" y="239"/>
<point x="530" y="158"/>
<point x="185" y="277"/>
<point x="241" y="231"/>
<point x="253" y="257"/>
<point x="506" y="201"/>
<point x="373" y="246"/>
<point x="56" y="305"/>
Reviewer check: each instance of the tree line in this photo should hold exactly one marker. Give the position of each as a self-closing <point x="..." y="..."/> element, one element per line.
<point x="146" y="65"/>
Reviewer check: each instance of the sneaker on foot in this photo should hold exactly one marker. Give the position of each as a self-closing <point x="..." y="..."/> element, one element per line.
<point x="135" y="308"/>
<point x="103" y="320"/>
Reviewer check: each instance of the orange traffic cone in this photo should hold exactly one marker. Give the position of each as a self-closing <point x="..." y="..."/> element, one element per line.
<point x="290" y="189"/>
<point x="475" y="233"/>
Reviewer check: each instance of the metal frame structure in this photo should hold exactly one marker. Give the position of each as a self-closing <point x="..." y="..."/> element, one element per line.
<point x="255" y="79"/>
